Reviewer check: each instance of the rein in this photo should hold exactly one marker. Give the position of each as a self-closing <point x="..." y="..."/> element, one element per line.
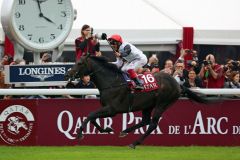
<point x="88" y="64"/>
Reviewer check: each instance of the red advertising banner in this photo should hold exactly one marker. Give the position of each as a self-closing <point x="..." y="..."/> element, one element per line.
<point x="56" y="122"/>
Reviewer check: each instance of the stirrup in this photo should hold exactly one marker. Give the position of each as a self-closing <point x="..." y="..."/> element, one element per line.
<point x="138" y="87"/>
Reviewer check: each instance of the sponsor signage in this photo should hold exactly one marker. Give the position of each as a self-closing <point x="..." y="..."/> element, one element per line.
<point x="185" y="123"/>
<point x="18" y="123"/>
<point x="36" y="73"/>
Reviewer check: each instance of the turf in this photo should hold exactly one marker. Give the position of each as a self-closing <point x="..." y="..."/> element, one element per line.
<point x="117" y="153"/>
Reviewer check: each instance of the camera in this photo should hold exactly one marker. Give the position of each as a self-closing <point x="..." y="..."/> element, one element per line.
<point x="155" y="65"/>
<point x="235" y="65"/>
<point x="101" y="36"/>
<point x="189" y="51"/>
<point x="91" y="31"/>
<point x="189" y="63"/>
<point x="225" y="68"/>
<point x="207" y="62"/>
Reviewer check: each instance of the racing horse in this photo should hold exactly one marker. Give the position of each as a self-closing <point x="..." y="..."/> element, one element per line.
<point x="116" y="97"/>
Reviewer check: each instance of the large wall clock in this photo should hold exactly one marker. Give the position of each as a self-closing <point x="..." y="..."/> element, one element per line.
<point x="37" y="25"/>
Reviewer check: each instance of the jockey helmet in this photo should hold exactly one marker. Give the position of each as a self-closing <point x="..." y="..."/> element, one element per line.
<point x="116" y="38"/>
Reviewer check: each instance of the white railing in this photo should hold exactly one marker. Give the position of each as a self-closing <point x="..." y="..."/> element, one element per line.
<point x="225" y="91"/>
<point x="49" y="92"/>
<point x="96" y="92"/>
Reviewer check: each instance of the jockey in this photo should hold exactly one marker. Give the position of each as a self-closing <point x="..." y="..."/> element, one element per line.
<point x="129" y="58"/>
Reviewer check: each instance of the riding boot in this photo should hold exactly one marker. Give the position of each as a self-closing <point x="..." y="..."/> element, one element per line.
<point x="139" y="84"/>
<point x="134" y="77"/>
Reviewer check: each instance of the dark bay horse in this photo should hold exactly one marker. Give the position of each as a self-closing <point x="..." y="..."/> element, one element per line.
<point x="115" y="96"/>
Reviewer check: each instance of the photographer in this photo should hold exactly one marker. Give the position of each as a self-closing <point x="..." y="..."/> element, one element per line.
<point x="232" y="65"/>
<point x="211" y="73"/>
<point x="87" y="43"/>
<point x="191" y="64"/>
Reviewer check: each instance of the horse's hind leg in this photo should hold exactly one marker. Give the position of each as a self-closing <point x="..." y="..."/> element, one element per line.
<point x="153" y="125"/>
<point x="146" y="119"/>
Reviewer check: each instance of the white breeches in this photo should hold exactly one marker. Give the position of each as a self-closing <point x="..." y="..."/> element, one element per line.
<point x="136" y="64"/>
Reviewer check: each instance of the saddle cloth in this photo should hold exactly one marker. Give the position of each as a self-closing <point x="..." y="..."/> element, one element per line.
<point x="149" y="82"/>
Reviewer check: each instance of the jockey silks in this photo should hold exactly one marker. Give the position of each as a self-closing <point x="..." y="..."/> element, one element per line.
<point x="133" y="54"/>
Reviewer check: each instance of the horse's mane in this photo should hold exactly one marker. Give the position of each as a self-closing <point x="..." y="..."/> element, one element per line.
<point x="104" y="61"/>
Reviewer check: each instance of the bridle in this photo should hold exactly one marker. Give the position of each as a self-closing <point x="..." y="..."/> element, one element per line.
<point x="89" y="66"/>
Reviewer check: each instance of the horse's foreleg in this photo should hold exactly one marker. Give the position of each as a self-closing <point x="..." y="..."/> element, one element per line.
<point x="146" y="119"/>
<point x="101" y="113"/>
<point x="153" y="125"/>
<point x="102" y="130"/>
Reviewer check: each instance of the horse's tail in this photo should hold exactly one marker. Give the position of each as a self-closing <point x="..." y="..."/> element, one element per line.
<point x="194" y="96"/>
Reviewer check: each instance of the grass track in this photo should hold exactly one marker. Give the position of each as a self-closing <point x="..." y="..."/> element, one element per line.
<point x="119" y="153"/>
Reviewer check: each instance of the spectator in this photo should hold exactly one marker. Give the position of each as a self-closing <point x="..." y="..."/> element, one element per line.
<point x="211" y="73"/>
<point x="168" y="67"/>
<point x="227" y="69"/>
<point x="18" y="62"/>
<point x="193" y="80"/>
<point x="180" y="72"/>
<point x="2" y="82"/>
<point x="6" y="60"/>
<point x="46" y="58"/>
<point x="152" y="64"/>
<point x="233" y="80"/>
<point x="84" y="83"/>
<point x="193" y="64"/>
<point x="87" y="43"/>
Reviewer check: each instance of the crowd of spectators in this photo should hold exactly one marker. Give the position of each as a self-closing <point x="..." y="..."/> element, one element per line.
<point x="192" y="73"/>
<point x="205" y="74"/>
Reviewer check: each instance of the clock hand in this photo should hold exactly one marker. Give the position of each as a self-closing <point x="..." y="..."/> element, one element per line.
<point x="39" y="7"/>
<point x="49" y="20"/>
<point x="41" y="14"/>
<point x="41" y="1"/>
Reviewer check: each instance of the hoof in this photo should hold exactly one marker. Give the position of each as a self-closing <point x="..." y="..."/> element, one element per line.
<point x="122" y="134"/>
<point x="132" y="146"/>
<point x="108" y="130"/>
<point x="80" y="137"/>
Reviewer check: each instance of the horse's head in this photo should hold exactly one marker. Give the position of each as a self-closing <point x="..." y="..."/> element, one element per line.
<point x="79" y="69"/>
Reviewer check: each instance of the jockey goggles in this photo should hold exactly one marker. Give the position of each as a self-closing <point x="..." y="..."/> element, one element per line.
<point x="113" y="42"/>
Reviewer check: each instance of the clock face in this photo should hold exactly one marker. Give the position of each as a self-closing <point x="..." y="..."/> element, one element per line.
<point x="42" y="24"/>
